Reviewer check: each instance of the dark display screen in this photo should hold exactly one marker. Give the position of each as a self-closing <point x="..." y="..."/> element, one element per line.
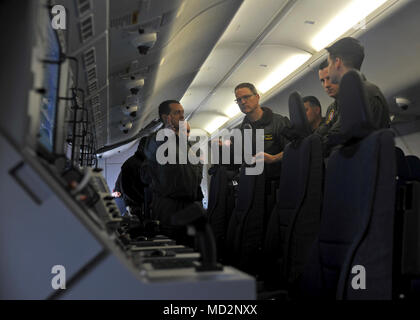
<point x="49" y="98"/>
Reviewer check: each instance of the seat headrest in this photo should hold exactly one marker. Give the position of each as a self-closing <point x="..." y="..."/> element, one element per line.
<point x="297" y="115"/>
<point x="355" y="114"/>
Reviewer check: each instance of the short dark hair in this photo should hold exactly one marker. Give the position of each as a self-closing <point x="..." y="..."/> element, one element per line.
<point x="350" y="50"/>
<point x="164" y="107"/>
<point x="313" y="101"/>
<point x="323" y="64"/>
<point x="248" y="85"/>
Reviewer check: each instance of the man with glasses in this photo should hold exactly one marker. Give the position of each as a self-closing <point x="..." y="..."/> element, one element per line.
<point x="256" y="194"/>
<point x="257" y="117"/>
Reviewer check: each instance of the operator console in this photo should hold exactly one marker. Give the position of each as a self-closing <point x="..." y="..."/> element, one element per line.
<point x="152" y="256"/>
<point x="90" y="189"/>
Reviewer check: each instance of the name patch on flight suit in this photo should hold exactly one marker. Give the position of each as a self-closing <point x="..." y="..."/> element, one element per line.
<point x="268" y="137"/>
<point x="330" y="116"/>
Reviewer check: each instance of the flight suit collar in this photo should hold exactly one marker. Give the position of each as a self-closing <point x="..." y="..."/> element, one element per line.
<point x="266" y="119"/>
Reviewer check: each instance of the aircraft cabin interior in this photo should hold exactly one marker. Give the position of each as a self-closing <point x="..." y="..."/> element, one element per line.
<point x="82" y="89"/>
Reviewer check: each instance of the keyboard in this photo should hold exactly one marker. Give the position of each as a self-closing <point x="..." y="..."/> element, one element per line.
<point x="159" y="264"/>
<point x="153" y="243"/>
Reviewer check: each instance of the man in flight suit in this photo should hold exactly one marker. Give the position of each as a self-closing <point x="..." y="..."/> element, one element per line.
<point x="257" y="117"/>
<point x="132" y="186"/>
<point x="175" y="186"/>
<point x="347" y="54"/>
<point x="331" y="89"/>
<point x="313" y="111"/>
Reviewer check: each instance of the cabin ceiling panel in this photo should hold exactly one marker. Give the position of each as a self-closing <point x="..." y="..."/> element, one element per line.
<point x="193" y="97"/>
<point x="195" y="132"/>
<point x="190" y="11"/>
<point x="222" y="59"/>
<point x="201" y="118"/>
<point x="217" y="103"/>
<point x="186" y="53"/>
<point x="262" y="62"/>
<point x="250" y="20"/>
<point x="307" y="18"/>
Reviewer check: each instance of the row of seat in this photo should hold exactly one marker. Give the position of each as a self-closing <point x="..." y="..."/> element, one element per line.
<point x="329" y="223"/>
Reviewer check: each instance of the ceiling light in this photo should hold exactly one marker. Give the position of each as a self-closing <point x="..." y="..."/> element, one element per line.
<point x="181" y="8"/>
<point x="232" y="110"/>
<point x="136" y="82"/>
<point x="351" y="17"/>
<point x="283" y="70"/>
<point x="216" y="123"/>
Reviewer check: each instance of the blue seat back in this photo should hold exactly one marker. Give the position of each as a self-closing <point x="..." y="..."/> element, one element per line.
<point x="355" y="243"/>
<point x="294" y="221"/>
<point x="414" y="165"/>
<point x="221" y="204"/>
<point x="246" y="226"/>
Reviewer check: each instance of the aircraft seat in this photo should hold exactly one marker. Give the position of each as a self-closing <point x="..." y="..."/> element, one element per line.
<point x="352" y="258"/>
<point x="221" y="205"/>
<point x="245" y="234"/>
<point x="414" y="165"/>
<point x="295" y="219"/>
<point x="403" y="166"/>
<point x="408" y="239"/>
